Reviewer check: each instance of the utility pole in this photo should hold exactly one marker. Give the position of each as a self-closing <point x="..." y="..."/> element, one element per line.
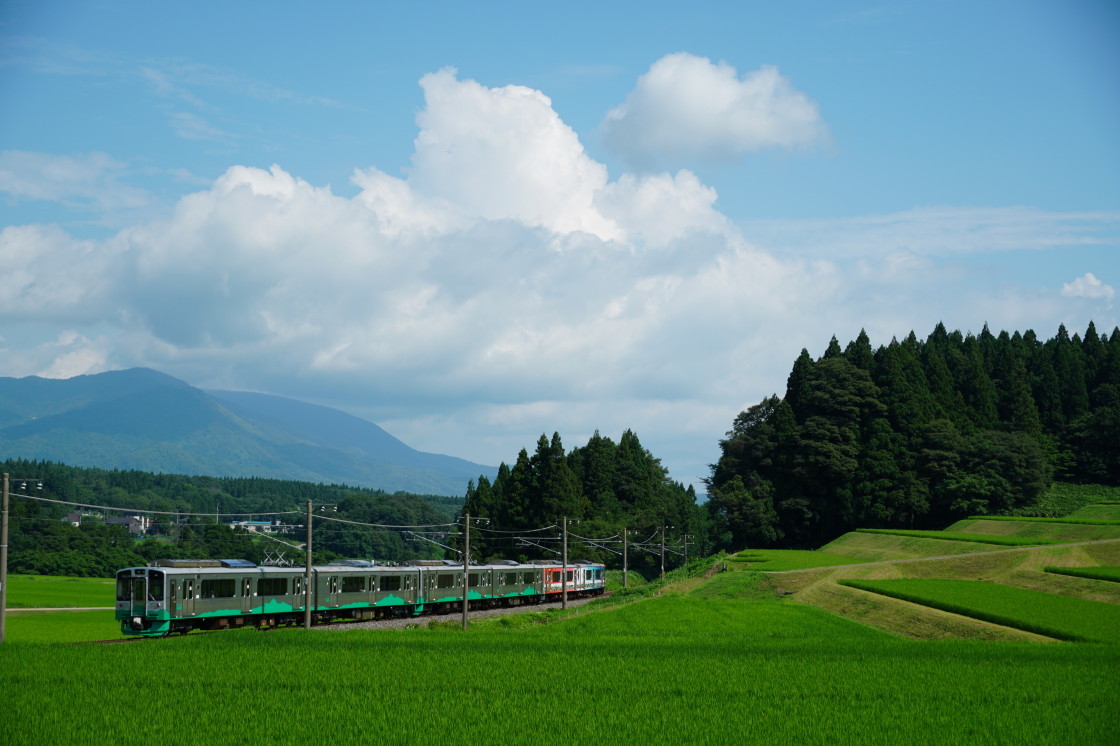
<point x="307" y="575"/>
<point x="4" y="560"/>
<point x="564" y="569"/>
<point x="662" y="552"/>
<point x="625" y="570"/>
<point x="466" y="565"/>
<point x="4" y="550"/>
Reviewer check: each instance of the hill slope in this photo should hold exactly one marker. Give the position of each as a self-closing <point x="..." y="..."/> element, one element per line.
<point x="146" y="420"/>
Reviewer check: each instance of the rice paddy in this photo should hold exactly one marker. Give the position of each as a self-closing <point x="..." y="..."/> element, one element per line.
<point x="1111" y="574"/>
<point x="675" y="669"/>
<point x="40" y="591"/>
<point x="1061" y="617"/>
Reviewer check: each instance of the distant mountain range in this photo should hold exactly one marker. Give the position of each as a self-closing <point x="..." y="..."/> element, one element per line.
<point x="145" y="420"/>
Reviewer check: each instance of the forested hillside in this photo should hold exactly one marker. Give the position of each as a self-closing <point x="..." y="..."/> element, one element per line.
<point x="191" y="519"/>
<point x="604" y="485"/>
<point x="918" y="433"/>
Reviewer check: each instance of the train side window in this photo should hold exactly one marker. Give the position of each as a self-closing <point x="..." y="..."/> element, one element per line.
<point x="353" y="584"/>
<point x="474" y="579"/>
<point x="445" y="580"/>
<point x="272" y="586"/>
<point x="219" y="588"/>
<point x="390" y="582"/>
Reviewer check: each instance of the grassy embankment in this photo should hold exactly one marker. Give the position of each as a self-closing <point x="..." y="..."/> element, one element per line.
<point x="1014" y="552"/>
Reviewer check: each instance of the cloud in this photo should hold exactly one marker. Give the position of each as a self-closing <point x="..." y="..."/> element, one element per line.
<point x="88" y="181"/>
<point x="507" y="285"/>
<point x="944" y="231"/>
<point x="193" y="127"/>
<point x="688" y="108"/>
<point x="1088" y="286"/>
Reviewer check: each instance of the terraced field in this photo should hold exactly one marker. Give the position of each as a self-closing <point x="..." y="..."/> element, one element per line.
<point x="1033" y="557"/>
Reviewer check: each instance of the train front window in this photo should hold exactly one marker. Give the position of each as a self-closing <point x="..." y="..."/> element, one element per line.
<point x="124" y="585"/>
<point x="155" y="586"/>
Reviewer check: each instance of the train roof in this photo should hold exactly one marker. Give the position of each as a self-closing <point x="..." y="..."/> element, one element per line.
<point x="240" y="567"/>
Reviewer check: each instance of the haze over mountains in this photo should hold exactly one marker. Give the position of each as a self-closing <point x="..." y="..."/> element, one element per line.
<point x="146" y="420"/>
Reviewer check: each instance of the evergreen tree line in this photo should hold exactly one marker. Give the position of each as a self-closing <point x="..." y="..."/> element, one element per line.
<point x="916" y="434"/>
<point x="602" y="488"/>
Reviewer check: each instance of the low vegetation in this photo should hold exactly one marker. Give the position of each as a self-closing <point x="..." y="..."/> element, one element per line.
<point x="776" y="560"/>
<point x="1047" y="614"/>
<point x="1111" y="574"/>
<point x="1007" y="541"/>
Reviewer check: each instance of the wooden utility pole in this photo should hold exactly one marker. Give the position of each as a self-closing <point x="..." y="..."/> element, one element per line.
<point x="564" y="569"/>
<point x="307" y="575"/>
<point x="662" y="552"/>
<point x="625" y="569"/>
<point x="466" y="565"/>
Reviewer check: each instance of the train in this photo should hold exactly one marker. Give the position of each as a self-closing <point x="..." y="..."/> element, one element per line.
<point x="178" y="596"/>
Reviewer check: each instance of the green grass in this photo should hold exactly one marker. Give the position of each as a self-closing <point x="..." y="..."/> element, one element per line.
<point x="1095" y="573"/>
<point x="675" y="669"/>
<point x="1098" y="511"/>
<point x="35" y="591"/>
<point x="1063" y="498"/>
<point x="744" y="586"/>
<point x="1035" y="529"/>
<point x="1007" y="541"/>
<point x="772" y="560"/>
<point x="62" y="626"/>
<point x="1028" y="519"/>
<point x="1062" y="617"/>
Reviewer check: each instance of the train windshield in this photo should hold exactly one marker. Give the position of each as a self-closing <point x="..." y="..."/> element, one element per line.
<point x="124" y="585"/>
<point x="155" y="585"/>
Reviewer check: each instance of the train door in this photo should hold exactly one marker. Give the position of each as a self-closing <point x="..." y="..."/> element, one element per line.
<point x="246" y="595"/>
<point x="189" y="591"/>
<point x="138" y="604"/>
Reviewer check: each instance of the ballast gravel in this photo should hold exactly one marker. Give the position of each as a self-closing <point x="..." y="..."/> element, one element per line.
<point x="423" y="621"/>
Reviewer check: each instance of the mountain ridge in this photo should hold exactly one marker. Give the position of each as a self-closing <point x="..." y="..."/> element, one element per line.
<point x="146" y="420"/>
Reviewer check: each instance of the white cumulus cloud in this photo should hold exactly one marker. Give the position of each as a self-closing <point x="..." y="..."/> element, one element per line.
<point x="507" y="285"/>
<point x="688" y="107"/>
<point x="1088" y="286"/>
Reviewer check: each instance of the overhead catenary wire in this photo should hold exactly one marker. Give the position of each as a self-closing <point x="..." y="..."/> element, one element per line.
<point x="382" y="525"/>
<point x="151" y="512"/>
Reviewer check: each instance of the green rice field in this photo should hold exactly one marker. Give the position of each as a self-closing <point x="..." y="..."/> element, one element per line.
<point x="1062" y="617"/>
<point x="676" y="670"/>
<point x="40" y="591"/>
<point x="1111" y="574"/>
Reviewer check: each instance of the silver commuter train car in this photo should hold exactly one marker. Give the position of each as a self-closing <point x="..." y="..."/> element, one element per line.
<point x="176" y="596"/>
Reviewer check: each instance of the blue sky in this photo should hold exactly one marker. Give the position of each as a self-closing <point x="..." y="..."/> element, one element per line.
<point x="476" y="222"/>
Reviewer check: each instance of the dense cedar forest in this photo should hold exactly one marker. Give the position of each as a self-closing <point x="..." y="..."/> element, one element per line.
<point x="918" y="434"/>
<point x="604" y="486"/>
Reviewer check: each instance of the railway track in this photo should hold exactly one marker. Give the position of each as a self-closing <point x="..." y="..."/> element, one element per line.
<point x="344" y="625"/>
